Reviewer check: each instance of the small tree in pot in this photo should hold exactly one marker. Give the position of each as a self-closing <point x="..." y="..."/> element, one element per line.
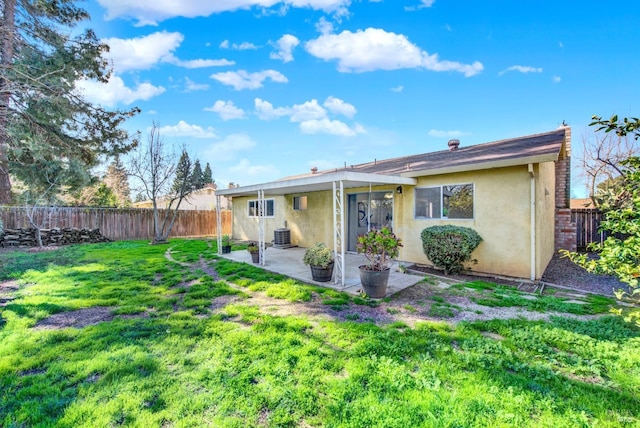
<point x="226" y="244"/>
<point x="320" y="259"/>
<point x="380" y="247"/>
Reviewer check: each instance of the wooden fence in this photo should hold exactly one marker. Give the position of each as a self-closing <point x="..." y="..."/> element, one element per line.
<point x="119" y="223"/>
<point x="588" y="227"/>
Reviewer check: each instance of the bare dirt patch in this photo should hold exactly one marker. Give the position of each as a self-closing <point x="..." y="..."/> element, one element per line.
<point x="78" y="319"/>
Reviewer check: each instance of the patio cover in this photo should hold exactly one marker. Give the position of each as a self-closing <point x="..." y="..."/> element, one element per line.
<point x="335" y="181"/>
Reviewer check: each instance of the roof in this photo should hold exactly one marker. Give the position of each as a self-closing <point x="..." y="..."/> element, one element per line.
<point x="536" y="148"/>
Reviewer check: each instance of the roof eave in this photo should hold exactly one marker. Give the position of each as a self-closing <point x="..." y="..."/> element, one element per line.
<point x="503" y="163"/>
<point x="318" y="182"/>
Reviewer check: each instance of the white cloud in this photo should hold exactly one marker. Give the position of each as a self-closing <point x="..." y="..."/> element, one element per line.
<point x="198" y="63"/>
<point x="141" y="53"/>
<point x="422" y="5"/>
<point x="242" y="79"/>
<point x="228" y="148"/>
<point x="244" y="46"/>
<point x="191" y="86"/>
<point x="265" y="110"/>
<point x="521" y="69"/>
<point x="285" y="46"/>
<point x="376" y="49"/>
<point x="245" y="168"/>
<point x="446" y="134"/>
<point x="152" y="12"/>
<point x="556" y="79"/>
<point x="323" y="26"/>
<point x="116" y="92"/>
<point x="227" y="110"/>
<point x="307" y="111"/>
<point x="337" y="106"/>
<point x="331" y="127"/>
<point x="183" y="129"/>
<point x="398" y="88"/>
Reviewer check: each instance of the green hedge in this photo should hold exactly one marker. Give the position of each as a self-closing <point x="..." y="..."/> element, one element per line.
<point x="448" y="247"/>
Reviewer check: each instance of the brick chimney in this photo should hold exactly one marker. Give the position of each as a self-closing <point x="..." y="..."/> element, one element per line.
<point x="453" y="145"/>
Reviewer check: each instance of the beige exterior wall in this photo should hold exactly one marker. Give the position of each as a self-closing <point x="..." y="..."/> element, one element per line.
<point x="246" y="228"/>
<point x="545" y="215"/>
<point x="502" y="215"/>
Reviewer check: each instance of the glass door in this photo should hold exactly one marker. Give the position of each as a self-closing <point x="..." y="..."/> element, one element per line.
<point x="368" y="211"/>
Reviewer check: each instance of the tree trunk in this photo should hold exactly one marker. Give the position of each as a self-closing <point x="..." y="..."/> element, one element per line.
<point x="7" y="34"/>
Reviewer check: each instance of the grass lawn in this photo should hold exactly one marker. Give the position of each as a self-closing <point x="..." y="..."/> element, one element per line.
<point x="188" y="342"/>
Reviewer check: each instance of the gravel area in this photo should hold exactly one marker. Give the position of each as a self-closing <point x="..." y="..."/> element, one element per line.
<point x="562" y="271"/>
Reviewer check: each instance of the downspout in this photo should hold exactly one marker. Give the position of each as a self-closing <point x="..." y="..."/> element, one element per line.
<point x="532" y="178"/>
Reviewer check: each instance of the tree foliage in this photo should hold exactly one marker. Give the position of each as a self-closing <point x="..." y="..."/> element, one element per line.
<point x="207" y="175"/>
<point x="197" y="176"/>
<point x="46" y="126"/>
<point x="620" y="256"/>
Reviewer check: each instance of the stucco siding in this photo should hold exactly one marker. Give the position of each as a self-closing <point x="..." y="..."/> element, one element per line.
<point x="545" y="215"/>
<point x="314" y="224"/>
<point x="501" y="217"/>
<point x="246" y="228"/>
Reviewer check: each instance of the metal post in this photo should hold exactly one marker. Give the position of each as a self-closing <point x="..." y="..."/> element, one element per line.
<point x="262" y="208"/>
<point x="218" y="224"/>
<point x="338" y="232"/>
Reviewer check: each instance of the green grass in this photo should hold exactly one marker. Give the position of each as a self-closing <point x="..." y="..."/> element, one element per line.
<point x="183" y="365"/>
<point x="504" y="296"/>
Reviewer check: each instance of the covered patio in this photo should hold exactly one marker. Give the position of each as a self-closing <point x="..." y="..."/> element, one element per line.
<point x="289" y="262"/>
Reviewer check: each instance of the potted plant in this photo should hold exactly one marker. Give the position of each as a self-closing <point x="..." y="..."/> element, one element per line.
<point x="254" y="250"/>
<point x="320" y="259"/>
<point x="379" y="247"/>
<point x="226" y="244"/>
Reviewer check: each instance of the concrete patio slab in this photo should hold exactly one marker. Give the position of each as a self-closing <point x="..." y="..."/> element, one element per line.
<point x="288" y="261"/>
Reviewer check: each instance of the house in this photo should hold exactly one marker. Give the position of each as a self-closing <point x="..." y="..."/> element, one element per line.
<point x="201" y="199"/>
<point x="514" y="193"/>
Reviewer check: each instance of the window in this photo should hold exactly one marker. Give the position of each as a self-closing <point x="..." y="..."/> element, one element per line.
<point x="252" y="208"/>
<point x="454" y="202"/>
<point x="299" y="203"/>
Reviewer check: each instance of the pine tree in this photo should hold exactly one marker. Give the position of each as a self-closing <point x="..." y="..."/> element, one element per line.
<point x="197" y="177"/>
<point x="48" y="132"/>
<point x="182" y="183"/>
<point x="207" y="175"/>
<point x="117" y="179"/>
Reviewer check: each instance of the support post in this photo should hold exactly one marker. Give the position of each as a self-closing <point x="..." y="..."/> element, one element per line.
<point x="262" y="209"/>
<point x="338" y="232"/>
<point x="218" y="224"/>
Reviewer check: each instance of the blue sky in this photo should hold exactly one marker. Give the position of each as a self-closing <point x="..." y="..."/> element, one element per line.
<point x="263" y="89"/>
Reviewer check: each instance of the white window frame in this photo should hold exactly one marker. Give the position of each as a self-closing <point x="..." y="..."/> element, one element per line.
<point x="302" y="203"/>
<point x="254" y="202"/>
<point x="441" y="215"/>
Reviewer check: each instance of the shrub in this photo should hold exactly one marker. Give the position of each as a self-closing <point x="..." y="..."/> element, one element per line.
<point x="448" y="247"/>
<point x="318" y="255"/>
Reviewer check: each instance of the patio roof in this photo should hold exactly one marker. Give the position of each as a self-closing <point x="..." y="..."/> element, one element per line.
<point x="318" y="182"/>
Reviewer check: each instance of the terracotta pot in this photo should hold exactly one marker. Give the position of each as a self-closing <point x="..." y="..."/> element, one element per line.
<point x="374" y="282"/>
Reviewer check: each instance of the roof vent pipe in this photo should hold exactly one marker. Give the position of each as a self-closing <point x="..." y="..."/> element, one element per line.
<point x="314" y="170"/>
<point x="453" y="145"/>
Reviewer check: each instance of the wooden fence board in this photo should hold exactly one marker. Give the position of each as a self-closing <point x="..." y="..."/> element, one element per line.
<point x="587" y="222"/>
<point x="119" y="223"/>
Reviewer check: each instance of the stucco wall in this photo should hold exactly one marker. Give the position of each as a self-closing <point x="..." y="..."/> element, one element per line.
<point x="246" y="228"/>
<point x="501" y="217"/>
<point x="545" y="215"/>
<point x="314" y="224"/>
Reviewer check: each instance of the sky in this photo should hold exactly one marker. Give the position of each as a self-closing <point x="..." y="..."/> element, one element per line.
<point x="265" y="89"/>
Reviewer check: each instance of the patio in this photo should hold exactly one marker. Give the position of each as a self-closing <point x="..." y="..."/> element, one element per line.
<point x="289" y="262"/>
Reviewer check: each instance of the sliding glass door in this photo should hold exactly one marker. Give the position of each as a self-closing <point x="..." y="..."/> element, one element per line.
<point x="368" y="211"/>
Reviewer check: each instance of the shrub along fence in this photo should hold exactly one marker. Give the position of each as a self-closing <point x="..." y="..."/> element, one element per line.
<point x="118" y="223"/>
